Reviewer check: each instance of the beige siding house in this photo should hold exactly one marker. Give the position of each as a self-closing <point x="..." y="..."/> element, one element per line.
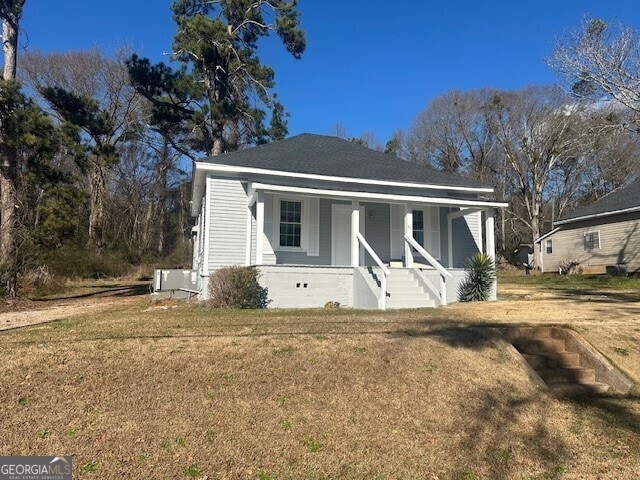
<point x="327" y="220"/>
<point x="603" y="236"/>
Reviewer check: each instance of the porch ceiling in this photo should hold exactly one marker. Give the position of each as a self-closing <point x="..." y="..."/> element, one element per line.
<point x="373" y="197"/>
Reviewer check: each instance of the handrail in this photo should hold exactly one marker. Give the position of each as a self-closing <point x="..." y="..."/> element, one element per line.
<point x="427" y="256"/>
<point x="444" y="274"/>
<point x="382" y="299"/>
<point x="373" y="254"/>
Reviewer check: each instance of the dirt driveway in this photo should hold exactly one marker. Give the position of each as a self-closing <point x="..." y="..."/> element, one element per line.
<point x="88" y="299"/>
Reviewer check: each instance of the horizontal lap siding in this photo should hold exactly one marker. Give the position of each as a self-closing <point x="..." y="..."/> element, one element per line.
<point x="619" y="243"/>
<point x="377" y="231"/>
<point x="466" y="238"/>
<point x="228" y="223"/>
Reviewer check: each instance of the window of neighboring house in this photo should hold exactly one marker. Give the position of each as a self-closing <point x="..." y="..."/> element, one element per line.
<point x="591" y="241"/>
<point x="290" y="223"/>
<point x="549" y="246"/>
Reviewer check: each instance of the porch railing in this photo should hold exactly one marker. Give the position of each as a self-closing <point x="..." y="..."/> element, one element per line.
<point x="382" y="299"/>
<point x="444" y="274"/>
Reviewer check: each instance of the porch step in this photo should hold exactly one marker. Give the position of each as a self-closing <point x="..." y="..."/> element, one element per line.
<point x="545" y="351"/>
<point x="404" y="290"/>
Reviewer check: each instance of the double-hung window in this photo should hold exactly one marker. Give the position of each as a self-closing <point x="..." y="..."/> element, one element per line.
<point x="426" y="229"/>
<point x="591" y="241"/>
<point x="418" y="226"/>
<point x="549" y="247"/>
<point x="290" y="223"/>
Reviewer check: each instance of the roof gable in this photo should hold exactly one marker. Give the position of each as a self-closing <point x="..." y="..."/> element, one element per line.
<point x="331" y="156"/>
<point x="619" y="201"/>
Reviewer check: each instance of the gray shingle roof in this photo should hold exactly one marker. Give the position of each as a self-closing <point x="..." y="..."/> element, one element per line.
<point x="332" y="156"/>
<point x="623" y="199"/>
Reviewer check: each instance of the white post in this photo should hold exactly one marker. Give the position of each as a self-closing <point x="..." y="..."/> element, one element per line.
<point x="247" y="258"/>
<point x="260" y="228"/>
<point x="490" y="242"/>
<point x="408" y="230"/>
<point x="450" y="238"/>
<point x="355" y="229"/>
<point x="490" y="246"/>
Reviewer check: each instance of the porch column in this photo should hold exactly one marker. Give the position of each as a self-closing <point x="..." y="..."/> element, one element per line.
<point x="247" y="259"/>
<point x="355" y="228"/>
<point x="490" y="242"/>
<point x="408" y="231"/>
<point x="251" y="200"/>
<point x="450" y="239"/>
<point x="260" y="228"/>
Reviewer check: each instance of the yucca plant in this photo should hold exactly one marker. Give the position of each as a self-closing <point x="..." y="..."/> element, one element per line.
<point x="481" y="273"/>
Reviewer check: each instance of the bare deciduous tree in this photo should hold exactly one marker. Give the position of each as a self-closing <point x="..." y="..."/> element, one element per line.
<point x="600" y="63"/>
<point x="90" y="91"/>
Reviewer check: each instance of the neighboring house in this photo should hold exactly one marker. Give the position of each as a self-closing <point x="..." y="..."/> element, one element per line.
<point x="603" y="235"/>
<point x="327" y="220"/>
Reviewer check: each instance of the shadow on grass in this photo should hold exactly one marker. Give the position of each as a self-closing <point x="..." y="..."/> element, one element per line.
<point x="598" y="296"/>
<point x="111" y="290"/>
<point x="615" y="411"/>
<point x="497" y="432"/>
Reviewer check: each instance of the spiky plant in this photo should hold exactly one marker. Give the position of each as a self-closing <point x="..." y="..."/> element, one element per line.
<point x="481" y="273"/>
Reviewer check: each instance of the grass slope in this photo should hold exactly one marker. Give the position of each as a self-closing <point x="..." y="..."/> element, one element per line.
<point x="189" y="393"/>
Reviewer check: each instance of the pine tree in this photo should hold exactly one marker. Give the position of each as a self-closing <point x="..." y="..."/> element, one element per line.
<point x="220" y="97"/>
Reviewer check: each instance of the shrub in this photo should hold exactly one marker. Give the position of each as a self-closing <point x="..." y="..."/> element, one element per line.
<point x="481" y="273"/>
<point x="236" y="287"/>
<point x="570" y="267"/>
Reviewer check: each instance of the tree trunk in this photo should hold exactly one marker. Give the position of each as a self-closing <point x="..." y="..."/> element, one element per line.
<point x="10" y="45"/>
<point x="98" y="188"/>
<point x="8" y="222"/>
<point x="8" y="171"/>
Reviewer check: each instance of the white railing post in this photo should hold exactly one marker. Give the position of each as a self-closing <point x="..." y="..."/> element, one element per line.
<point x="443" y="290"/>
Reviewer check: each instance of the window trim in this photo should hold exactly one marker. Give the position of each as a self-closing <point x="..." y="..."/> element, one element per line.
<point x="584" y="240"/>
<point x="276" y="224"/>
<point x="548" y="246"/>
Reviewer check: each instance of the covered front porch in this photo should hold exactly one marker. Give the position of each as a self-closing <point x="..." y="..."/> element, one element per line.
<point x="364" y="250"/>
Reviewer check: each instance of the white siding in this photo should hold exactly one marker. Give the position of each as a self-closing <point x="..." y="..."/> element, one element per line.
<point x="466" y="238"/>
<point x="228" y="223"/>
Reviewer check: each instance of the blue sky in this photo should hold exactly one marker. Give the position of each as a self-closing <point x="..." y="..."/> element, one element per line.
<point x="370" y="65"/>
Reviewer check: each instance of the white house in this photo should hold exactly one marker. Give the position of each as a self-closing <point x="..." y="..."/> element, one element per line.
<point x="327" y="220"/>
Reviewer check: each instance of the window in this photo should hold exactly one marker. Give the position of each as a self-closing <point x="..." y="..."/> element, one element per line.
<point x="418" y="226"/>
<point x="290" y="223"/>
<point x="549" y="246"/>
<point x="426" y="229"/>
<point x="591" y="241"/>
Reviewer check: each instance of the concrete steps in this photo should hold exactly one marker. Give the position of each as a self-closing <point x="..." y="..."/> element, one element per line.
<point x="404" y="291"/>
<point x="565" y="372"/>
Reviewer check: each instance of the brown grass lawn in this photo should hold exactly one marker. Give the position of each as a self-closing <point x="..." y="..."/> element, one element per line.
<point x="190" y="393"/>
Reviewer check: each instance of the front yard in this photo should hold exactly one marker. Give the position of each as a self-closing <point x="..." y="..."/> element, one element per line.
<point x="189" y="393"/>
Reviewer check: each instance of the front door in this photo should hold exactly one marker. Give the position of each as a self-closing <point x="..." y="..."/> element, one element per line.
<point x="341" y="235"/>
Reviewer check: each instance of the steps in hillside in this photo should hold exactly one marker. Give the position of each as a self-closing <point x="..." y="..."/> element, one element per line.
<point x="404" y="291"/>
<point x="563" y="371"/>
